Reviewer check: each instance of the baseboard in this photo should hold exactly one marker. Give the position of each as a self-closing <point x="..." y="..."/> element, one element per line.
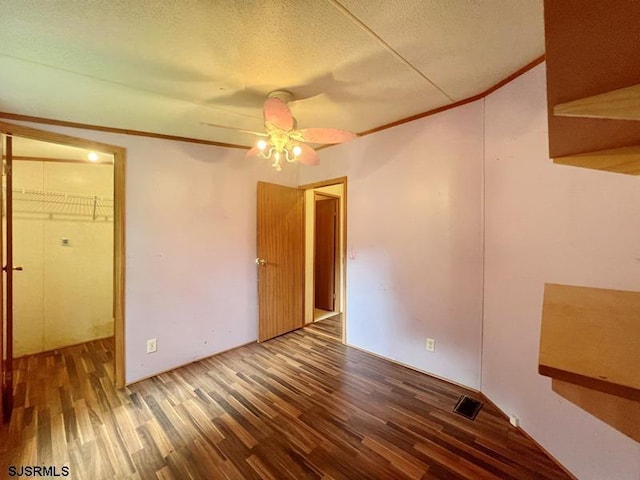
<point x="62" y="347"/>
<point x="415" y="369"/>
<point x="147" y="377"/>
<point x="483" y="398"/>
<point x="529" y="437"/>
<point x="486" y="399"/>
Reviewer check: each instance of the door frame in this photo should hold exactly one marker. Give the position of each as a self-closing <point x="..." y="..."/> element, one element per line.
<point x="119" y="161"/>
<point x="342" y="227"/>
<point x="6" y="284"/>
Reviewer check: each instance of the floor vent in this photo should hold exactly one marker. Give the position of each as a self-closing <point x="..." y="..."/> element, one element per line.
<point x="467" y="407"/>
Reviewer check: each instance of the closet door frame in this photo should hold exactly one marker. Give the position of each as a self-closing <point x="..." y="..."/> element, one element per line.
<point x="119" y="161"/>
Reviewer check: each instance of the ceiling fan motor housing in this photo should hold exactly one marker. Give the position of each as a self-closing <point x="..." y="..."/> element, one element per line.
<point x="285" y="96"/>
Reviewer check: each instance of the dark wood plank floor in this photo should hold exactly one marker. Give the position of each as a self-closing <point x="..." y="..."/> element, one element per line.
<point x="299" y="406"/>
<point x="329" y="327"/>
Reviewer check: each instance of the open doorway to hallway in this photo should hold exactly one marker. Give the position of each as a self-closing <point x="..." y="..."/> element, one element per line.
<point x="325" y="240"/>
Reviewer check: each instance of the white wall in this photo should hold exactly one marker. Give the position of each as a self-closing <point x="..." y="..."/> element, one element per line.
<point x="190" y="248"/>
<point x="64" y="295"/>
<point x="414" y="236"/>
<point x="554" y="224"/>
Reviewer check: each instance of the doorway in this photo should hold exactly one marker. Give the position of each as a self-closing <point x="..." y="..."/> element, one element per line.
<point x="326" y="256"/>
<point x="325" y="241"/>
<point x="63" y="231"/>
<point x="62" y="199"/>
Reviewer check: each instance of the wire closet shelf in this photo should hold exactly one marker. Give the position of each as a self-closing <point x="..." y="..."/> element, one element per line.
<point x="81" y="206"/>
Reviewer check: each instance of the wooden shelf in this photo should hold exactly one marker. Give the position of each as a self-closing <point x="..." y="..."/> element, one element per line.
<point x="593" y="89"/>
<point x="591" y="337"/>
<point x="621" y="413"/>
<point x="617" y="160"/>
<point x="620" y="104"/>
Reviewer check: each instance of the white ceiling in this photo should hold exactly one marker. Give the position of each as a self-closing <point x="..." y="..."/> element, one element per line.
<point x="165" y="66"/>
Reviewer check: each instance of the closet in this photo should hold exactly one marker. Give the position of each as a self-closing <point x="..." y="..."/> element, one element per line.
<point x="62" y="208"/>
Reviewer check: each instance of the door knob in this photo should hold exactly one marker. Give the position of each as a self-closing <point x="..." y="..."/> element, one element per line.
<point x="261" y="261"/>
<point x="15" y="267"/>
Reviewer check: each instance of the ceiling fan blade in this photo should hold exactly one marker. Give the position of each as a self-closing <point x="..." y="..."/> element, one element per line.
<point x="277" y="114"/>
<point x="326" y="135"/>
<point x="261" y="134"/>
<point x="308" y="156"/>
<point x="252" y="152"/>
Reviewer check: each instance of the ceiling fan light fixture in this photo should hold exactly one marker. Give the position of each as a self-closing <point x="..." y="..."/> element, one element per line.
<point x="276" y="160"/>
<point x="279" y="154"/>
<point x="282" y="141"/>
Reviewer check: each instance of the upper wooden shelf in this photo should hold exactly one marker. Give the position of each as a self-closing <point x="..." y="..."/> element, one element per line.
<point x="620" y="104"/>
<point x="593" y="83"/>
<point x="618" y="160"/>
<point x="591" y="337"/>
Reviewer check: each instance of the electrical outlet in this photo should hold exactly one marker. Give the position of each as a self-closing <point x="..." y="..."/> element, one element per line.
<point x="152" y="345"/>
<point x="430" y="345"/>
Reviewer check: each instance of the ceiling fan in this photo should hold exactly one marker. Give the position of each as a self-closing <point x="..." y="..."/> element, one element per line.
<point x="281" y="141"/>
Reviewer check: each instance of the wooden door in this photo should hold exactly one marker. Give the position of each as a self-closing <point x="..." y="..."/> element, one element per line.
<point x="324" y="261"/>
<point x="6" y="301"/>
<point x="280" y="261"/>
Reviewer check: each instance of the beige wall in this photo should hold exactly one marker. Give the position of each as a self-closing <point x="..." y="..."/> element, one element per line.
<point x="337" y="190"/>
<point x="64" y="294"/>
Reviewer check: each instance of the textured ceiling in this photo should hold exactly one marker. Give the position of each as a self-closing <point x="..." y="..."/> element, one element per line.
<point x="165" y="66"/>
